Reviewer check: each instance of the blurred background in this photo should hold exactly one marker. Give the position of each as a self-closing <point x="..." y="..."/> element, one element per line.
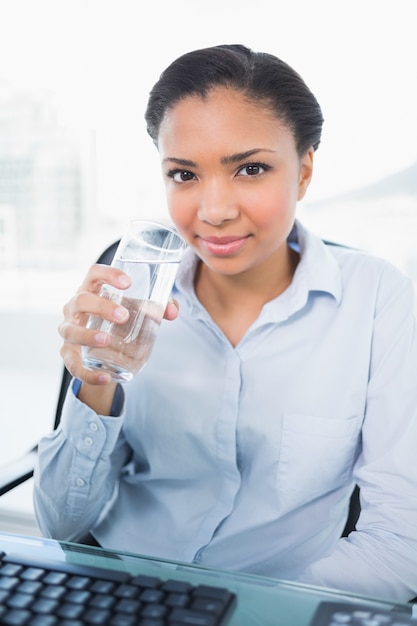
<point x="76" y="163"/>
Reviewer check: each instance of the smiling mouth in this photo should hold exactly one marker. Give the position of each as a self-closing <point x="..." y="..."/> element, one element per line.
<point x="223" y="246"/>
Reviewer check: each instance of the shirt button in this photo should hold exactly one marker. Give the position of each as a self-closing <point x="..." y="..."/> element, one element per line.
<point x="93" y="426"/>
<point x="88" y="441"/>
<point x="80" y="482"/>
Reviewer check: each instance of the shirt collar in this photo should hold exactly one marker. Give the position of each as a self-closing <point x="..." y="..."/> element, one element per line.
<point x="318" y="268"/>
<point x="317" y="271"/>
<point x="188" y="267"/>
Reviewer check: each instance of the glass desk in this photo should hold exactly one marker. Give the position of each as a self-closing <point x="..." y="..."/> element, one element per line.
<point x="261" y="601"/>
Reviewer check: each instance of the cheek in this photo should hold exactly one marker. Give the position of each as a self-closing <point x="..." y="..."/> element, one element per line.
<point x="179" y="210"/>
<point x="278" y="205"/>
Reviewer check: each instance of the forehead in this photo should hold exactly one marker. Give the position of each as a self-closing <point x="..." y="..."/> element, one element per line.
<point x="223" y="114"/>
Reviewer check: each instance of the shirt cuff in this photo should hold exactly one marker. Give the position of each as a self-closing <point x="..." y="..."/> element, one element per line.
<point x="91" y="434"/>
<point x="118" y="398"/>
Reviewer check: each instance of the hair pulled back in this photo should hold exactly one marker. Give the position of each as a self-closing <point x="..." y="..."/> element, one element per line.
<point x="260" y="76"/>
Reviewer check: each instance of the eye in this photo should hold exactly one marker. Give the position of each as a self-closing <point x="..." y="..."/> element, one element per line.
<point x="253" y="169"/>
<point x="180" y="176"/>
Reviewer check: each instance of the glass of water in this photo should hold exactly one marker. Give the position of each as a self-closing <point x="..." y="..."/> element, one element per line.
<point x="150" y="254"/>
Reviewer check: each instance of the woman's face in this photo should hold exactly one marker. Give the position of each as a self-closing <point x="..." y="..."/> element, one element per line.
<point x="233" y="178"/>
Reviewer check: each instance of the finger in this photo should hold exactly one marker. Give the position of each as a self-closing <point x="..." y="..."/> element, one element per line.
<point x="171" y="311"/>
<point x="73" y="363"/>
<point x="80" y="336"/>
<point x="85" y="303"/>
<point x="99" y="274"/>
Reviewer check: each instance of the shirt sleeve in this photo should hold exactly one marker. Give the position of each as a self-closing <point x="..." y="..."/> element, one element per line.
<point x="381" y="555"/>
<point x="77" y="469"/>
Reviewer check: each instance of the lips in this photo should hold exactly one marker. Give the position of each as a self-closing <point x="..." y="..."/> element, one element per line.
<point x="225" y="245"/>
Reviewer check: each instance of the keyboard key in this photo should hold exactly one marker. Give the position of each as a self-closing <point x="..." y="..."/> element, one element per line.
<point x="15" y="618"/>
<point x="102" y="602"/>
<point x="32" y="573"/>
<point x="122" y="619"/>
<point x="102" y="586"/>
<point x="30" y="586"/>
<point x="154" y="611"/>
<point x="78" y="582"/>
<point x="96" y="616"/>
<point x="216" y="593"/>
<point x="77" y="596"/>
<point x="3" y="597"/>
<point x="152" y="595"/>
<point x="7" y="584"/>
<point x="192" y="618"/>
<point x="46" y="620"/>
<point x="127" y="591"/>
<point x="51" y="591"/>
<point x="208" y="605"/>
<point x="177" y="599"/>
<point x="146" y="581"/>
<point x="10" y="569"/>
<point x="44" y="605"/>
<point x="176" y="586"/>
<point x="70" y="611"/>
<point x="127" y="605"/>
<point x="19" y="601"/>
<point x="55" y="578"/>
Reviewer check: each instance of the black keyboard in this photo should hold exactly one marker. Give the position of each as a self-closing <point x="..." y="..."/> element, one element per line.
<point x="346" y="614"/>
<point x="36" y="593"/>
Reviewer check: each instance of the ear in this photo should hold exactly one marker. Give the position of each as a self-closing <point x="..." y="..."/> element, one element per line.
<point x="306" y="173"/>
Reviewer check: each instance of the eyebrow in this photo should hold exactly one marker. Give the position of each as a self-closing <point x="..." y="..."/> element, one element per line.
<point x="242" y="156"/>
<point x="183" y="162"/>
<point x="238" y="157"/>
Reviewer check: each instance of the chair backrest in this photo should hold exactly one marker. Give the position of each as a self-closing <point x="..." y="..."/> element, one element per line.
<point x="354" y="511"/>
<point x="106" y="257"/>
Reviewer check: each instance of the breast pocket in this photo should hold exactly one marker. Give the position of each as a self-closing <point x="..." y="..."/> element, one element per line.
<point x="317" y="455"/>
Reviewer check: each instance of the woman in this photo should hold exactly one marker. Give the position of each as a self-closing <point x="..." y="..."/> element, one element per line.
<point x="288" y="375"/>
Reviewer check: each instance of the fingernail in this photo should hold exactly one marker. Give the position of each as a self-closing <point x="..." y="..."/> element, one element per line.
<point x="121" y="314"/>
<point x="123" y="280"/>
<point x="101" y="338"/>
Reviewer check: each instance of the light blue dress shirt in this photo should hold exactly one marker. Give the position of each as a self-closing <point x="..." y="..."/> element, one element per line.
<point x="245" y="457"/>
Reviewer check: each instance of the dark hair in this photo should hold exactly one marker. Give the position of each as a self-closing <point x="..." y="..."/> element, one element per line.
<point x="260" y="76"/>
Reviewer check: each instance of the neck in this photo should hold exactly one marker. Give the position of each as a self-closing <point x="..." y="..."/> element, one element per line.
<point x="263" y="282"/>
<point x="235" y="302"/>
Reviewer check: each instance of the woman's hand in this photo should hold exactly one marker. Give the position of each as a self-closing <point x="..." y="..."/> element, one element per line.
<point x="86" y="302"/>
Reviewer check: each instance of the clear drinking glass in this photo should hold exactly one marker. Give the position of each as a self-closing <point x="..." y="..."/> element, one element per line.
<point x="150" y="254"/>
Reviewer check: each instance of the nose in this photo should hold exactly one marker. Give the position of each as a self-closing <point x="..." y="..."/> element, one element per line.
<point x="217" y="203"/>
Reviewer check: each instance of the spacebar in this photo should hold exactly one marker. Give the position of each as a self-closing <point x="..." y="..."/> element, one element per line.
<point x="69" y="568"/>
